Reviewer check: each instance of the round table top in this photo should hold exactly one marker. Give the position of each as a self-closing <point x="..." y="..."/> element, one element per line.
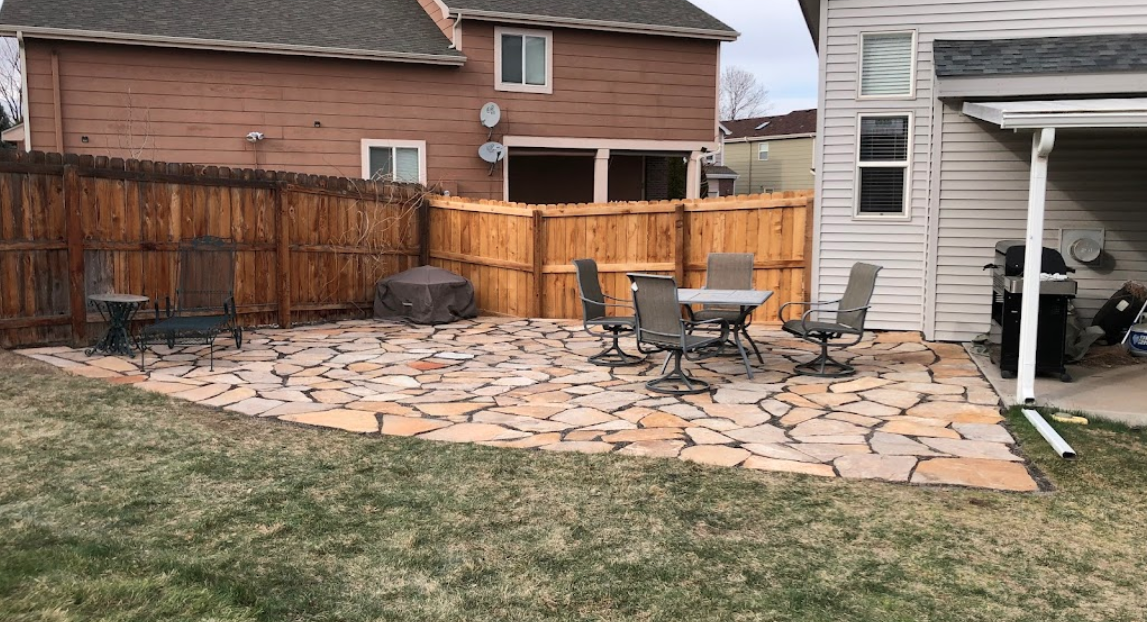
<point x="118" y="298"/>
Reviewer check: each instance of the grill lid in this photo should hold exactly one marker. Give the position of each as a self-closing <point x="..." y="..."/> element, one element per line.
<point x="1012" y="255"/>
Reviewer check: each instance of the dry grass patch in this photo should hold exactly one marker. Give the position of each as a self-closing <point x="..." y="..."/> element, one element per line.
<point x="117" y="504"/>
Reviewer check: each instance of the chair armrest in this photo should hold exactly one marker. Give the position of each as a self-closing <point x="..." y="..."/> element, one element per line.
<point x="622" y="300"/>
<point x="807" y="314"/>
<point x="781" y="312"/>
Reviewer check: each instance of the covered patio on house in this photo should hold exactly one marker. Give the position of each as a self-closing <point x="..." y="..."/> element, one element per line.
<point x="1117" y="392"/>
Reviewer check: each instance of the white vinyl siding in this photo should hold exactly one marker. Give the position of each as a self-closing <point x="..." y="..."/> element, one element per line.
<point x="906" y="293"/>
<point x="886" y="68"/>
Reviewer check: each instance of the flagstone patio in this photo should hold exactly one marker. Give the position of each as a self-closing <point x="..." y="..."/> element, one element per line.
<point x="916" y="412"/>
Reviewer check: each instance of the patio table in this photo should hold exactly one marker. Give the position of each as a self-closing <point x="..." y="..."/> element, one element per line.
<point x="747" y="299"/>
<point x="117" y="310"/>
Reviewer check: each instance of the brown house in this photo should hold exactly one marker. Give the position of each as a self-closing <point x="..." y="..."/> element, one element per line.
<point x="596" y="96"/>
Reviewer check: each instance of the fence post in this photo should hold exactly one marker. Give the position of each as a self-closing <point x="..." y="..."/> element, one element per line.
<point x="283" y="254"/>
<point x="424" y="232"/>
<point x="679" y="235"/>
<point x="810" y="221"/>
<point x="539" y="262"/>
<point x="74" y="214"/>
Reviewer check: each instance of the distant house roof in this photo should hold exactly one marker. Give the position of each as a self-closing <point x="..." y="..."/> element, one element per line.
<point x="1044" y="55"/>
<point x="798" y="122"/>
<point x="720" y="172"/>
<point x="668" y="16"/>
<point x="384" y="29"/>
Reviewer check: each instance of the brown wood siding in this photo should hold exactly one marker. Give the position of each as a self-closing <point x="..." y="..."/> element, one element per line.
<point x="197" y="106"/>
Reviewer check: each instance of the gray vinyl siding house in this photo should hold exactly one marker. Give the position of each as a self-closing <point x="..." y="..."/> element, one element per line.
<point x="968" y="179"/>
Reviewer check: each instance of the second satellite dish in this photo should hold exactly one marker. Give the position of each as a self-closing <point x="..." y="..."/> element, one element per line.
<point x="492" y="152"/>
<point x="491" y="115"/>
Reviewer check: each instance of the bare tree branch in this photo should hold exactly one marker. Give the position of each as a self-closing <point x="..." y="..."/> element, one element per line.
<point x="742" y="97"/>
<point x="11" y="82"/>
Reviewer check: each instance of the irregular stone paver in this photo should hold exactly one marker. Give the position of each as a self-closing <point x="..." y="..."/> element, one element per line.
<point x="526" y="384"/>
<point x="975" y="472"/>
<point x="875" y="466"/>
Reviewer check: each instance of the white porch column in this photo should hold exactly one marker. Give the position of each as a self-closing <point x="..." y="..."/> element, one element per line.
<point x="601" y="176"/>
<point x="1042" y="144"/>
<point x="693" y="176"/>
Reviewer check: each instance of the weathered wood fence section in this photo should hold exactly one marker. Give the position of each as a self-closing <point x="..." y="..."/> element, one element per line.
<point x="519" y="257"/>
<point x="307" y="247"/>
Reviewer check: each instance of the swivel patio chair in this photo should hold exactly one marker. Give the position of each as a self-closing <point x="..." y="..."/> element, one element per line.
<point x="660" y="328"/>
<point x="730" y="271"/>
<point x="851" y="312"/>
<point x="204" y="302"/>
<point x="595" y="305"/>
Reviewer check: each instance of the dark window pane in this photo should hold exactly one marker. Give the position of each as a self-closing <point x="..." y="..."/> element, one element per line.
<point x="512" y="59"/>
<point x="884" y="139"/>
<point x="381" y="162"/>
<point x="882" y="190"/>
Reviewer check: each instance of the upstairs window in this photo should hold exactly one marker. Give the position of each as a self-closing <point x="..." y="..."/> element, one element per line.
<point x="400" y="161"/>
<point x="524" y="60"/>
<point x="887" y="65"/>
<point x="763" y="152"/>
<point x="882" y="165"/>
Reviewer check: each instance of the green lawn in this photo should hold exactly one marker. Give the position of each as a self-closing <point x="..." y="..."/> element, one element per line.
<point x="121" y="505"/>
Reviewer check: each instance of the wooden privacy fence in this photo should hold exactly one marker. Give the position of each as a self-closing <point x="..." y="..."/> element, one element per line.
<point x="519" y="256"/>
<point x="307" y="247"/>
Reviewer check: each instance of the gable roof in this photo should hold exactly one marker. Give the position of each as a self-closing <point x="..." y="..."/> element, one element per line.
<point x="667" y="17"/>
<point x="1043" y="55"/>
<point x="343" y="28"/>
<point x="798" y="122"/>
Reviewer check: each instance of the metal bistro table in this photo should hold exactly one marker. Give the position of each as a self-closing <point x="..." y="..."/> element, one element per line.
<point x="117" y="310"/>
<point x="747" y="299"/>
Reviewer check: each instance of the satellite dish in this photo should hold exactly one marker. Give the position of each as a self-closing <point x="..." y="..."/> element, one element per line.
<point x="492" y="152"/>
<point x="491" y="115"/>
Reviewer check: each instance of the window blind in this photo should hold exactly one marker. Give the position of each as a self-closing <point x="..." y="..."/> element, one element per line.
<point x="886" y="64"/>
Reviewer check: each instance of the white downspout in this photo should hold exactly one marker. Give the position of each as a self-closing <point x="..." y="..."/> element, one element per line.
<point x="1042" y="144"/>
<point x="24" y="91"/>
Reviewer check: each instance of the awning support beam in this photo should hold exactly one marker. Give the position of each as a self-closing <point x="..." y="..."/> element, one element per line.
<point x="1042" y="144"/>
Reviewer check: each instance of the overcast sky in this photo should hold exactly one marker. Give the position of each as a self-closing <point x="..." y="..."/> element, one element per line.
<point x="774" y="45"/>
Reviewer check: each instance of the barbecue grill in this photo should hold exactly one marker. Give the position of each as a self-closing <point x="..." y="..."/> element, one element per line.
<point x="1007" y="301"/>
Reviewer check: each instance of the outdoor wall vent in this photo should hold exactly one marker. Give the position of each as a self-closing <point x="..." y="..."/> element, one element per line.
<point x="1084" y="247"/>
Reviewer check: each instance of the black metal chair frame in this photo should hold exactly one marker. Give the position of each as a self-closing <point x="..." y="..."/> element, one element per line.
<point x="827" y="334"/>
<point x="679" y="345"/>
<point x="598" y="323"/>
<point x="194" y="325"/>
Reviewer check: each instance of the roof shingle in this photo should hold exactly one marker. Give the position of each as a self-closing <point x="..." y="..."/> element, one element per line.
<point x="796" y="122"/>
<point x="1044" y="55"/>
<point x="370" y="26"/>
<point x="663" y="13"/>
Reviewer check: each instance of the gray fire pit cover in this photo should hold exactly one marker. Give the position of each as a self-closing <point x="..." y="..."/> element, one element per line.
<point x="425" y="295"/>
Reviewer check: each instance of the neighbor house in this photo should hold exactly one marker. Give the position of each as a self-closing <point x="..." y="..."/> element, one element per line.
<point x="772" y="154"/>
<point x="597" y="97"/>
<point x="937" y="119"/>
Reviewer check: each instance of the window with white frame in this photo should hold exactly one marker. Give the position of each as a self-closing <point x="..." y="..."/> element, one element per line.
<point x="524" y="60"/>
<point x="763" y="152"/>
<point x="882" y="165"/>
<point x="401" y="161"/>
<point x="887" y="64"/>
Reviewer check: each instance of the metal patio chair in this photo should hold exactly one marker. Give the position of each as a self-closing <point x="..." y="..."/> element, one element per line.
<point x="204" y="302"/>
<point x="730" y="271"/>
<point x="595" y="305"/>
<point x="660" y="328"/>
<point x="851" y="311"/>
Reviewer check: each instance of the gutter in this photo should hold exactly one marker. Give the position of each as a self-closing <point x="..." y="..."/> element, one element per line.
<point x="758" y="139"/>
<point x="92" y="36"/>
<point x="594" y="24"/>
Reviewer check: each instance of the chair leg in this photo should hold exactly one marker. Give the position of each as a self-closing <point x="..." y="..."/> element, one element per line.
<point x="824" y="366"/>
<point x="677" y="382"/>
<point x="744" y="355"/>
<point x="745" y="332"/>
<point x="614" y="356"/>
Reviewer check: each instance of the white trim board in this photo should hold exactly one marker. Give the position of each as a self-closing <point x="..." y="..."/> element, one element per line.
<point x="1063" y="113"/>
<point x="594" y="24"/>
<point x="420" y="145"/>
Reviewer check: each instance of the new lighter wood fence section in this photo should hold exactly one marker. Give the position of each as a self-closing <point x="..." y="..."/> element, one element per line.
<point x="307" y="247"/>
<point x="519" y="257"/>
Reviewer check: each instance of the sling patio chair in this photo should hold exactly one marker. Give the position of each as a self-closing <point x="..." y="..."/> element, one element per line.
<point x="730" y="271"/>
<point x="851" y="311"/>
<point x="595" y="305"/>
<point x="204" y="302"/>
<point x="660" y="328"/>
